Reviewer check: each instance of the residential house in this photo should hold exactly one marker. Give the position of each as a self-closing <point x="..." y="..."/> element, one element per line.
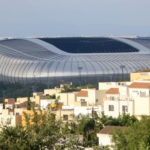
<point x="90" y="96"/>
<point x="116" y="104"/>
<point x="8" y="118"/>
<point x="68" y="98"/>
<point x="140" y="93"/>
<point x="105" y="136"/>
<point x="140" y="75"/>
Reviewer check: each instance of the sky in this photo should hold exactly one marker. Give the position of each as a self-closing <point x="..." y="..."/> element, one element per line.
<point x="36" y="18"/>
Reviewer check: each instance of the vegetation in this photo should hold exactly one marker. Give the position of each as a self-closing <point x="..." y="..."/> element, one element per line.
<point x="42" y="131"/>
<point x="14" y="90"/>
<point x="29" y="104"/>
<point x="19" y="90"/>
<point x="135" y="137"/>
<point x="122" y="120"/>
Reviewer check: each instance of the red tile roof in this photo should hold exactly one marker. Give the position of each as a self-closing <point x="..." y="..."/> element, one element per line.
<point x="111" y="129"/>
<point x="82" y="94"/>
<point x="139" y="85"/>
<point x="113" y="91"/>
<point x="10" y="101"/>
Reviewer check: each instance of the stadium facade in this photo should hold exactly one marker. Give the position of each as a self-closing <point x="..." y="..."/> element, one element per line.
<point x="72" y="59"/>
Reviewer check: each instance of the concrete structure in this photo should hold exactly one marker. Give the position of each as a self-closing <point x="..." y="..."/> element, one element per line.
<point x="74" y="60"/>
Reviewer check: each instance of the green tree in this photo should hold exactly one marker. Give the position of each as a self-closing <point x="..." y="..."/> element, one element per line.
<point x="28" y="104"/>
<point x="88" y="127"/>
<point x="14" y="138"/>
<point x="135" y="137"/>
<point x="43" y="131"/>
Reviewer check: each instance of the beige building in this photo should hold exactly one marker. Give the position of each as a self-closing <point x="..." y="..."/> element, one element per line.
<point x="140" y="76"/>
<point x="64" y="114"/>
<point x="140" y="93"/>
<point x="67" y="98"/>
<point x="37" y="96"/>
<point x="90" y="96"/>
<point x="52" y="91"/>
<point x="8" y="118"/>
<point x="21" y="99"/>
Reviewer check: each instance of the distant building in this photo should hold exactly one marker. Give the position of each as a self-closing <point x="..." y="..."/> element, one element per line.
<point x="76" y="60"/>
<point x="141" y="75"/>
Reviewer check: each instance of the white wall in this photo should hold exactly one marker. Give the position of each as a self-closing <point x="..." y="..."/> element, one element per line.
<point x="45" y="102"/>
<point x="139" y="92"/>
<point x="104" y="139"/>
<point x="9" y="120"/>
<point x="87" y="110"/>
<point x="93" y="97"/>
<point x="67" y="98"/>
<point x="117" y="107"/>
<point x="142" y="106"/>
<point x="52" y="91"/>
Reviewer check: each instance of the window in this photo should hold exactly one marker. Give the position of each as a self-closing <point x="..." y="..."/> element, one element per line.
<point x="82" y="100"/>
<point x="124" y="108"/>
<point x="142" y="94"/>
<point x="112" y="98"/>
<point x="111" y="108"/>
<point x="65" y="117"/>
<point x="8" y="121"/>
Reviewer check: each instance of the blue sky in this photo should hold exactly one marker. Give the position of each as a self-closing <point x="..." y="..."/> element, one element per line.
<point x="30" y="18"/>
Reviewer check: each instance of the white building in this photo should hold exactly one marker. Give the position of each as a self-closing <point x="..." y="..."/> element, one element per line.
<point x="115" y="104"/>
<point x="7" y="118"/>
<point x="45" y="102"/>
<point x="105" y="136"/>
<point x="90" y="96"/>
<point x="140" y="93"/>
<point x="126" y="97"/>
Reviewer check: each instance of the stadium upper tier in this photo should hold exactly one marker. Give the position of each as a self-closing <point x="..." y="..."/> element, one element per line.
<point x="77" y="60"/>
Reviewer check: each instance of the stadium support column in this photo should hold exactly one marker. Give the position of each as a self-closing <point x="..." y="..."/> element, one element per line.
<point x="80" y="69"/>
<point x="122" y="69"/>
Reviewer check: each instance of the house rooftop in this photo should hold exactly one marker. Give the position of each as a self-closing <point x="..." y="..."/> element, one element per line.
<point x="82" y="94"/>
<point x="111" y="129"/>
<point x="140" y="85"/>
<point x="112" y="91"/>
<point x="10" y="101"/>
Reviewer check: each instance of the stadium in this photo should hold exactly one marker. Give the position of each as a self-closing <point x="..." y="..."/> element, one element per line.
<point x="77" y="60"/>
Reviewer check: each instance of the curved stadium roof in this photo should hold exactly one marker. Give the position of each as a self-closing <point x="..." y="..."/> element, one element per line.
<point x="80" y="59"/>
